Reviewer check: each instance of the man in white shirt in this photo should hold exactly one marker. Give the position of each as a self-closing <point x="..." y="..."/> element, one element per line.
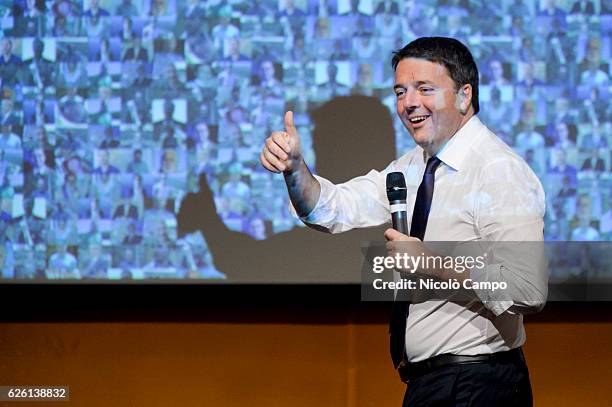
<point x="455" y="354"/>
<point x="63" y="265"/>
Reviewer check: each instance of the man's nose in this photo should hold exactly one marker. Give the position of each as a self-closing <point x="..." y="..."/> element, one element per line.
<point x="411" y="100"/>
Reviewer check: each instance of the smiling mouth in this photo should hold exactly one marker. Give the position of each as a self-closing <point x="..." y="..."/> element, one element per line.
<point x="418" y="119"/>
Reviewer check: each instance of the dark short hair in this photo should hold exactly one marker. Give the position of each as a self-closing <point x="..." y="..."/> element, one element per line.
<point x="448" y="52"/>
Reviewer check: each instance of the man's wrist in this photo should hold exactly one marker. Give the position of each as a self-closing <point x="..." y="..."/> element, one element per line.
<point x="304" y="189"/>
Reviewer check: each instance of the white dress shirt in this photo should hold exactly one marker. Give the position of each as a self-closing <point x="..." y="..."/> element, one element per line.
<point x="484" y="191"/>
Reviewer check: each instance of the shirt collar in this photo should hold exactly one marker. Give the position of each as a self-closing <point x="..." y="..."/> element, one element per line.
<point x="455" y="151"/>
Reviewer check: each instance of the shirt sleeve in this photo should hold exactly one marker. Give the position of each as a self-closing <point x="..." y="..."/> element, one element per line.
<point x="509" y="212"/>
<point x="358" y="203"/>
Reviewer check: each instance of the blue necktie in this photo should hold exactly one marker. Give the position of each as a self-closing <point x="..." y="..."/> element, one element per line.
<point x="420" y="214"/>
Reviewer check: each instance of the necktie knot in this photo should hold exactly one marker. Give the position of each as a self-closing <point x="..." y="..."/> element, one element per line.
<point x="432" y="165"/>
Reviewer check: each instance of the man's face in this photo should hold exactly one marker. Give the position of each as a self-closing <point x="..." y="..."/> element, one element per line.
<point x="593" y="50"/>
<point x="39" y="156"/>
<point x="322" y="27"/>
<point x="268" y="69"/>
<point x="7" y="105"/>
<point x="497" y="70"/>
<point x="427" y="103"/>
<point x="365" y="73"/>
<point x="169" y="160"/>
<point x="562" y="131"/>
<point x="202" y="130"/>
<point x="6" y="46"/>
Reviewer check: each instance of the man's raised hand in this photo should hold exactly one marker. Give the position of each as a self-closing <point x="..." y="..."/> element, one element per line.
<point x="282" y="151"/>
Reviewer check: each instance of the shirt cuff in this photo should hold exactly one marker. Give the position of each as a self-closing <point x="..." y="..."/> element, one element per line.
<point x="498" y="301"/>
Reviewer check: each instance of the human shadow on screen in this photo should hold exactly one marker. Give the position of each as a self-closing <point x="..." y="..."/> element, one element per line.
<point x="351" y="136"/>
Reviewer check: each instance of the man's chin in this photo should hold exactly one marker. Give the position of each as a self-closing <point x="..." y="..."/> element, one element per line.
<point x="422" y="139"/>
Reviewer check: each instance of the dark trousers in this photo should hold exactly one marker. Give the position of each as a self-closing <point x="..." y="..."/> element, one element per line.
<point x="480" y="384"/>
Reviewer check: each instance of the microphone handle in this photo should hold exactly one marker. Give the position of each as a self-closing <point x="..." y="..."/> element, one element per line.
<point x="399" y="217"/>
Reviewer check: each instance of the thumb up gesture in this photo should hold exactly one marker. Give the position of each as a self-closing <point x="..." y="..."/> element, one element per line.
<point x="282" y="151"/>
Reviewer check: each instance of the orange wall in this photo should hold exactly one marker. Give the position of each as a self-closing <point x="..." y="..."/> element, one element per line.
<point x="268" y="364"/>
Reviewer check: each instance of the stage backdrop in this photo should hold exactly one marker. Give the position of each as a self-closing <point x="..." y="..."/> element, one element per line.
<point x="131" y="130"/>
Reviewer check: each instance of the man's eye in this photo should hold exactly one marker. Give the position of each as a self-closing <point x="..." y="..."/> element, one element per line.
<point x="399" y="93"/>
<point x="426" y="90"/>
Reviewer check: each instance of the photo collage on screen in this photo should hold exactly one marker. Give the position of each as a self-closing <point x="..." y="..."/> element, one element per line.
<point x="113" y="109"/>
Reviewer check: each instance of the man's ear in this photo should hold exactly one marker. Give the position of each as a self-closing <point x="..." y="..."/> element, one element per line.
<point x="465" y="98"/>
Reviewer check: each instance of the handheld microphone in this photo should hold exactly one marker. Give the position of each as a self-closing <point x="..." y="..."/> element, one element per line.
<point x="396" y="193"/>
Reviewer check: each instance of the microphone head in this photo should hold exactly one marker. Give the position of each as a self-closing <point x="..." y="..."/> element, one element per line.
<point x="396" y="186"/>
